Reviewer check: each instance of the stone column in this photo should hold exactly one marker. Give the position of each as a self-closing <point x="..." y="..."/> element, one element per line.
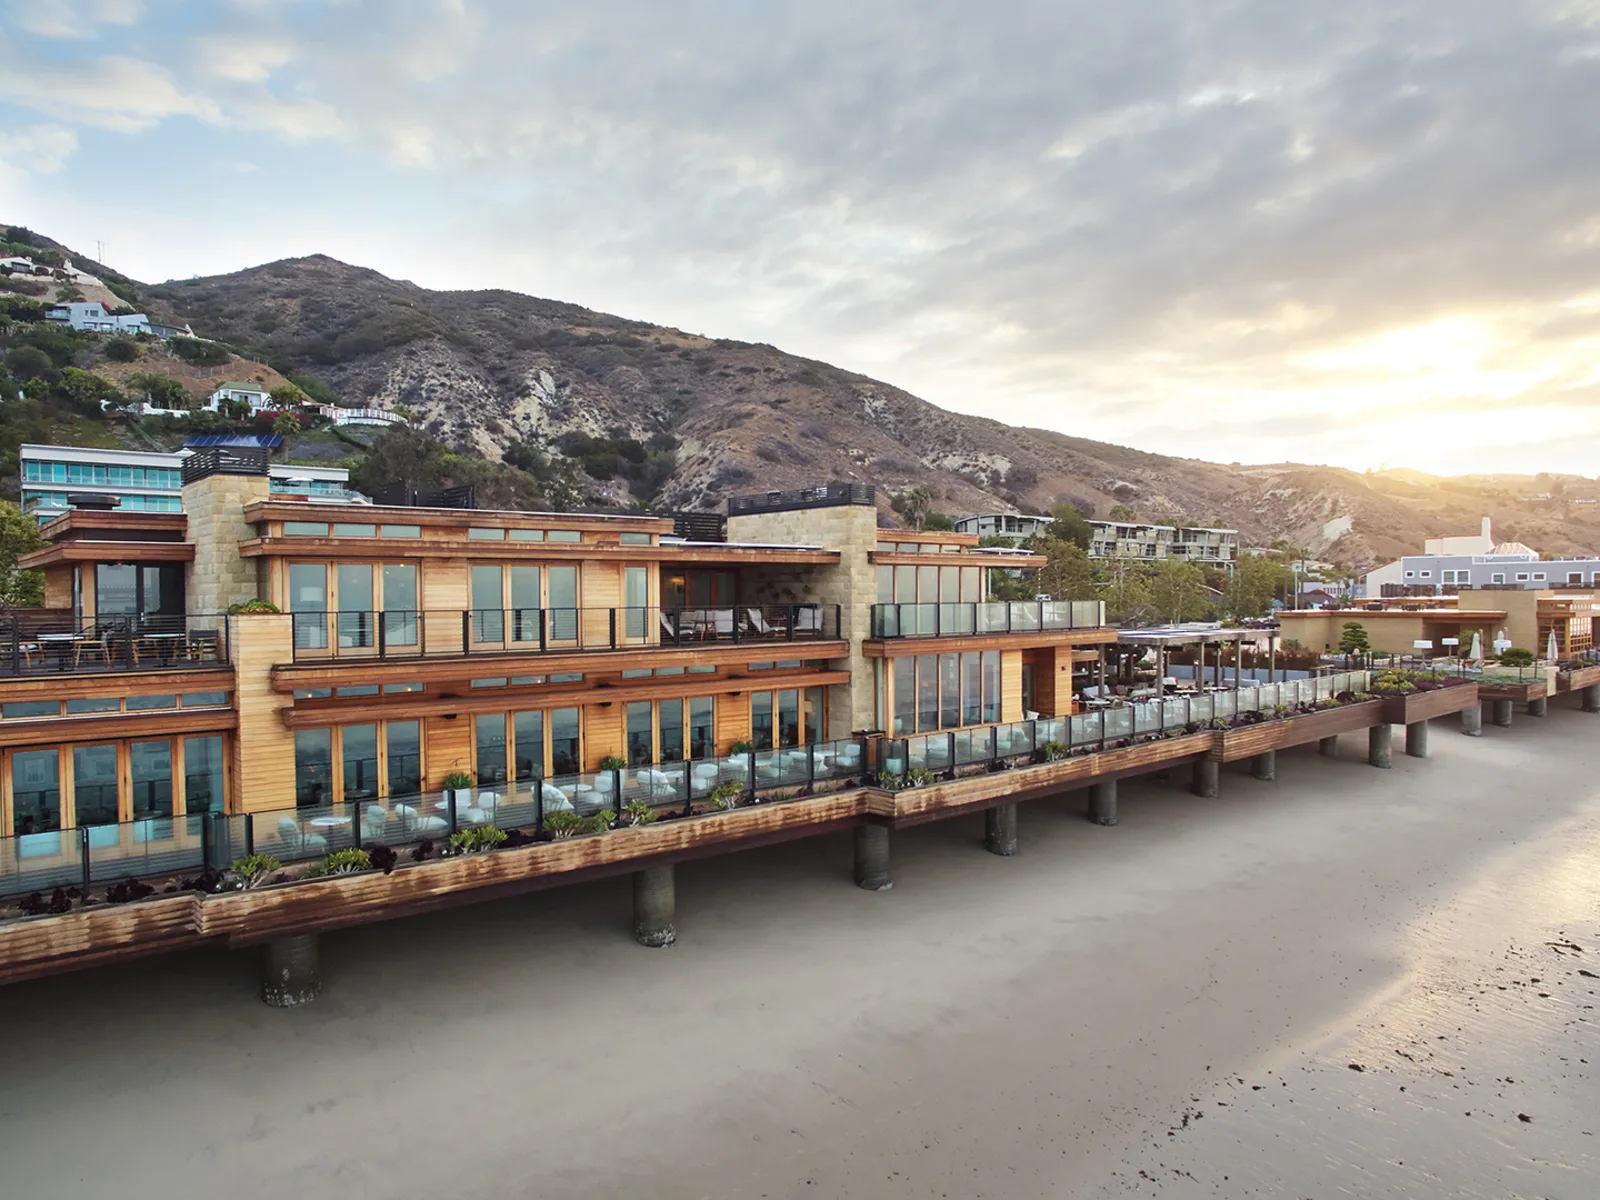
<point x="655" y="906"/>
<point x="1000" y="830"/>
<point x="1502" y="713"/>
<point x="1206" y="775"/>
<point x="872" y="858"/>
<point x="289" y="974"/>
<point x="1472" y="721"/>
<point x="1417" y="739"/>
<point x="1379" y="743"/>
<point x="1328" y="747"/>
<point x="1103" y="802"/>
<point x="1265" y="765"/>
<point x="1539" y="707"/>
<point x="1591" y="698"/>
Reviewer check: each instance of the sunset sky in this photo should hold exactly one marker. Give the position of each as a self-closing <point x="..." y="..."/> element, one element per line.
<point x="1244" y="230"/>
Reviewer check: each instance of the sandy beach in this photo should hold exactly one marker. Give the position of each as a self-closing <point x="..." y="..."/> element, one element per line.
<point x="1175" y="1006"/>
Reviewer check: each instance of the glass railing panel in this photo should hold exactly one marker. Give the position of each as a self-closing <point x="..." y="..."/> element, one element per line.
<point x="1017" y="738"/>
<point x="1224" y="704"/>
<point x="937" y="752"/>
<point x="39" y="862"/>
<point x="1175" y="711"/>
<point x="992" y="617"/>
<point x="1201" y="707"/>
<point x="957" y="619"/>
<point x="1147" y="716"/>
<point x="1119" y="722"/>
<point x="1052" y="729"/>
<point x="1024" y="616"/>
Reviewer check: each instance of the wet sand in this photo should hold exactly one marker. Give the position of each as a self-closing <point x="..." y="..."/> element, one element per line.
<point x="1092" y="1018"/>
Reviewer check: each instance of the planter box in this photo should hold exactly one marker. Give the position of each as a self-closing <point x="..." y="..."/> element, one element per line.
<point x="1251" y="740"/>
<point x="1572" y="681"/>
<point x="87" y="937"/>
<point x="1424" y="706"/>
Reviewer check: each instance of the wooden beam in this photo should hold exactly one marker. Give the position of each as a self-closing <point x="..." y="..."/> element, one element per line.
<point x="314" y="714"/>
<point x="82" y="550"/>
<point x="451" y="518"/>
<point x="101" y="727"/>
<point x="390" y="549"/>
<point x="82" y="686"/>
<point x="452" y="668"/>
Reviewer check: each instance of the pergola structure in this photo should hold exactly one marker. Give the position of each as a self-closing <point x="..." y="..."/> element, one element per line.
<point x="1133" y="643"/>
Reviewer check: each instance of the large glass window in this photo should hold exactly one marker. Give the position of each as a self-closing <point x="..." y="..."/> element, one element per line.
<point x="991" y="686"/>
<point x="761" y="720"/>
<point x="400" y="604"/>
<point x="313" y="767"/>
<point x="403" y="744"/>
<point x="116" y="590"/>
<point x="927" y="692"/>
<point x="563" y="604"/>
<point x="525" y="604"/>
<point x="669" y="729"/>
<point x="308" y="600"/>
<point x="355" y="604"/>
<point x="488" y="616"/>
<point x="202" y="774"/>
<point x="35" y="791"/>
<point x="789" y="717"/>
<point x="491" y="733"/>
<point x="94" y="784"/>
<point x="949" y="691"/>
<point x="359" y="744"/>
<point x="635" y="595"/>
<point x="905" y="694"/>
<point x="150" y="765"/>
<point x="564" y="749"/>
<point x="702" y="727"/>
<point x="971" y="689"/>
<point x="640" y="742"/>
<point x="528" y="744"/>
<point x="814" y="731"/>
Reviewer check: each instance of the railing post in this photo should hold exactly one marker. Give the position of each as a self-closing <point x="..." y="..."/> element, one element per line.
<point x="466" y="632"/>
<point x="1009" y="607"/>
<point x="950" y="750"/>
<point x="83" y="842"/>
<point x="382" y="621"/>
<point x="616" y="786"/>
<point x="735" y="612"/>
<point x="994" y="743"/>
<point x="612" y="613"/>
<point x="355" y="824"/>
<point x="794" y="616"/>
<point x="249" y="834"/>
<point x="750" y="771"/>
<point x="811" y="765"/>
<point x="542" y="628"/>
<point x="538" y="804"/>
<point x="450" y="807"/>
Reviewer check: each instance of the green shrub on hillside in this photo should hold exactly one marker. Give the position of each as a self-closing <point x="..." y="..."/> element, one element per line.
<point x="198" y="351"/>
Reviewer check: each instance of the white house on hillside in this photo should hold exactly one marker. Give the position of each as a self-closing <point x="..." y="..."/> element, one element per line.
<point x="93" y="316"/>
<point x="239" y="393"/>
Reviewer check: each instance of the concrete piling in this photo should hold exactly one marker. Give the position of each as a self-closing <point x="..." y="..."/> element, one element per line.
<point x="289" y="972"/>
<point x="1417" y="739"/>
<point x="1380" y="746"/>
<point x="1501" y="714"/>
<point x="1000" y="830"/>
<point x="1472" y="721"/>
<point x="1265" y="765"/>
<point x="1328" y="747"/>
<point x="1103" y="802"/>
<point x="655" y="906"/>
<point x="1207" y="774"/>
<point x="1539" y="707"/>
<point x="872" y="858"/>
<point x="1591" y="698"/>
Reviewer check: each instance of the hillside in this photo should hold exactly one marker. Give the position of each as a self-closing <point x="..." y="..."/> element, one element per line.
<point x="677" y="419"/>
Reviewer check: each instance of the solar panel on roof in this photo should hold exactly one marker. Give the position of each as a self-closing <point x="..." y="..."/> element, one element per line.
<point x="261" y="441"/>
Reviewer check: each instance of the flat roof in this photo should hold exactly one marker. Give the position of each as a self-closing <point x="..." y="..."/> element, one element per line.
<point x="1178" y="634"/>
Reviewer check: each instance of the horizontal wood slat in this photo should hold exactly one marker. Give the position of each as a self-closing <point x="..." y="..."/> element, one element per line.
<point x="1251" y="740"/>
<point x="1424" y="706"/>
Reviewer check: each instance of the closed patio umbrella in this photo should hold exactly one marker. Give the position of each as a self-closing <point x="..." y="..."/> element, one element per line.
<point x="1550" y="649"/>
<point x="1476" y="654"/>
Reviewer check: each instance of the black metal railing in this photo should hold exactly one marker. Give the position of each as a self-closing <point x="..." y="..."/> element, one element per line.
<point x="824" y="496"/>
<point x="1015" y="616"/>
<point x="36" y="644"/>
<point x="225" y="460"/>
<point x="394" y="633"/>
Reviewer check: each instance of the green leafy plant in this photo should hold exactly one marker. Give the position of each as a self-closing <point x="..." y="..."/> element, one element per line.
<point x="638" y="812"/>
<point x="1516" y="657"/>
<point x="742" y="748"/>
<point x="1280" y="710"/>
<point x="562" y="824"/>
<point x="347" y="862"/>
<point x="476" y="840"/>
<point x="726" y="795"/>
<point x="1054" y="751"/>
<point x="919" y="777"/>
<point x="598" y="821"/>
<point x="252" y="606"/>
<point x="457" y="780"/>
<point x="612" y="763"/>
<point x="1219" y="723"/>
<point x="254" y="868"/>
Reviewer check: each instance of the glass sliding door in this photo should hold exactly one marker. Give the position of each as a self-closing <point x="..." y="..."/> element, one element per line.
<point x="354" y="581"/>
<point x="308" y="601"/>
<point x="313" y="767"/>
<point x="565" y="752"/>
<point x="669" y="729"/>
<point x="991" y="686"/>
<point x="488" y="610"/>
<point x="563" y="604"/>
<point x="525" y="604"/>
<point x="927" y="692"/>
<point x="491" y="747"/>
<point x="150" y="766"/>
<point x="702" y="727"/>
<point x="641" y="748"/>
<point x="403" y="748"/>
<point x="635" y="598"/>
<point x="761" y="720"/>
<point x="400" y="604"/>
<point x="202" y="774"/>
<point x="788" y="718"/>
<point x="971" y="689"/>
<point x="94" y="784"/>
<point x="814" y="730"/>
<point x="528" y="744"/>
<point x="905" y="694"/>
<point x="359" y="747"/>
<point x="35" y="791"/>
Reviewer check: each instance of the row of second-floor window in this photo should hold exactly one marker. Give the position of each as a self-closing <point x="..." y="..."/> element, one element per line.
<point x="944" y="691"/>
<point x="364" y="762"/>
<point x="33" y="499"/>
<point x="112" y="782"/>
<point x="101" y="475"/>
<point x="930" y="583"/>
<point x="1463" y="576"/>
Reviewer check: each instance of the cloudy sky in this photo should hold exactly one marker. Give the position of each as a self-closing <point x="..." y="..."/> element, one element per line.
<point x="1361" y="233"/>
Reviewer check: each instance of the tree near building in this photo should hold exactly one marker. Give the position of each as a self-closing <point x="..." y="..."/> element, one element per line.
<point x="19" y="533"/>
<point x="1069" y="525"/>
<point x="914" y="505"/>
<point x="1068" y="575"/>
<point x="1121" y="512"/>
<point x="1178" y="592"/>
<point x="1256" y="580"/>
<point x="1125" y="588"/>
<point x="1354" y="639"/>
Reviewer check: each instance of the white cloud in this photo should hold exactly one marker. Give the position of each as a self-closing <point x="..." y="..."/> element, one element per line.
<point x="71" y="19"/>
<point x="239" y="58"/>
<point x="39" y="150"/>
<point x="112" y="92"/>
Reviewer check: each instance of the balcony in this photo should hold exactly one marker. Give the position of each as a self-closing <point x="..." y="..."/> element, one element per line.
<point x="957" y="620"/>
<point x="43" y="645"/>
<point x="444" y="633"/>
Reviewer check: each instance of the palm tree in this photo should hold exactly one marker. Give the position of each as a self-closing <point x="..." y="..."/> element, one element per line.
<point x="915" y="504"/>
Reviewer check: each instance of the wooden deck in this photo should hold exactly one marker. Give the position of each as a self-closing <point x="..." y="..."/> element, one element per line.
<point x="43" y="945"/>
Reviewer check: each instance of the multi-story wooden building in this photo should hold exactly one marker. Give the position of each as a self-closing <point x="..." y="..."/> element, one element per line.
<point x="402" y="651"/>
